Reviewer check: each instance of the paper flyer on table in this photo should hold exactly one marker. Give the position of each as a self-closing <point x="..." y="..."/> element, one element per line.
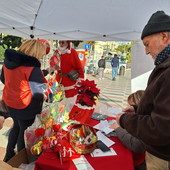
<point x="104" y="139"/>
<point x="113" y="111"/>
<point x="104" y="126"/>
<point x="99" y="153"/>
<point x="82" y="163"/>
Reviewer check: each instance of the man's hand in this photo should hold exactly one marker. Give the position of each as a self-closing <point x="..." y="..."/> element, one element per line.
<point x="114" y="126"/>
<point x="2" y="119"/>
<point x="118" y="118"/>
<point x="129" y="109"/>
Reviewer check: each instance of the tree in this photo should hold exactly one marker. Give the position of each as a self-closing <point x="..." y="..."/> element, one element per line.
<point x="11" y="41"/>
<point x="125" y="48"/>
<point x="76" y="43"/>
<point x="92" y="44"/>
<point x="2" y="51"/>
<point x="8" y="41"/>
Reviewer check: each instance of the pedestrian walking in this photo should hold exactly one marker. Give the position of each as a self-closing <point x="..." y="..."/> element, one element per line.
<point x="101" y="65"/>
<point x="115" y="66"/>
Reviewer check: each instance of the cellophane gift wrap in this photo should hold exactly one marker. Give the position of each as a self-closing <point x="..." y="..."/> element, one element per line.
<point x="83" y="138"/>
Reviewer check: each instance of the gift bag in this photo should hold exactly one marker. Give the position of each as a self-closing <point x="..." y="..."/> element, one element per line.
<point x="81" y="113"/>
<point x="66" y="151"/>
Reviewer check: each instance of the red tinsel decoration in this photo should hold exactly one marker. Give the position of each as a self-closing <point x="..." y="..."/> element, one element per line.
<point x="56" y="127"/>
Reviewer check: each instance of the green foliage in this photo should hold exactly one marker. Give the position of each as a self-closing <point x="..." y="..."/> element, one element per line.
<point x="125" y="48"/>
<point x="8" y="41"/>
<point x="2" y="51"/>
<point x="91" y="42"/>
<point x="11" y="41"/>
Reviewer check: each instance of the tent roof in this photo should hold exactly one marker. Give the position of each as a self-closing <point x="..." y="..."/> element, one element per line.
<point x="95" y="20"/>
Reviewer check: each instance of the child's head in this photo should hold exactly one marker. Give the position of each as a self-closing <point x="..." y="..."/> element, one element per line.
<point x="33" y="48"/>
<point x="135" y="97"/>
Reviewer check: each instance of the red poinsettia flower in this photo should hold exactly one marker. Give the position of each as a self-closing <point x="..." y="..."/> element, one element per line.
<point x="87" y="91"/>
<point x="39" y="132"/>
<point x="95" y="90"/>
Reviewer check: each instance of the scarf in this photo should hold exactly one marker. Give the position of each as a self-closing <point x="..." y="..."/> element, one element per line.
<point x="163" y="55"/>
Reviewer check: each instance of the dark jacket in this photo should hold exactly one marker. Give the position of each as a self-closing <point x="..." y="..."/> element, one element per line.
<point x="101" y="63"/>
<point x="18" y="61"/>
<point x="135" y="145"/>
<point x="115" y="62"/>
<point x="151" y="124"/>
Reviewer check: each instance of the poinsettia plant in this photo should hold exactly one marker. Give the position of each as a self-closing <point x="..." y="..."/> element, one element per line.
<point x="87" y="93"/>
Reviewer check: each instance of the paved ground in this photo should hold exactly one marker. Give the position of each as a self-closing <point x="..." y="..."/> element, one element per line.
<point x="113" y="93"/>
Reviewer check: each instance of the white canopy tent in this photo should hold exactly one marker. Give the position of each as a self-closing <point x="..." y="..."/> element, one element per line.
<point x="92" y="20"/>
<point x="95" y="20"/>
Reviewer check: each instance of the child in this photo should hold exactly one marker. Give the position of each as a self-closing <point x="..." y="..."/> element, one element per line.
<point x="134" y="98"/>
<point x="131" y="142"/>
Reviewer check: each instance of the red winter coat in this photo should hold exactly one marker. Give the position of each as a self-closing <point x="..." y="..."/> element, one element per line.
<point x="68" y="62"/>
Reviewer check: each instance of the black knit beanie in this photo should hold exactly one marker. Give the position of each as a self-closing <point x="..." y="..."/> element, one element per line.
<point x="159" y="22"/>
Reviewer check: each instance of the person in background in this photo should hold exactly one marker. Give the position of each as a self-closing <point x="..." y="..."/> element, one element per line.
<point x="150" y="121"/>
<point x="22" y="93"/>
<point x="101" y="65"/>
<point x="64" y="61"/>
<point x="132" y="143"/>
<point x="115" y="66"/>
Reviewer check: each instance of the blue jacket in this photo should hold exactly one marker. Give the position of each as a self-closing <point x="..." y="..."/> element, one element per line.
<point x="115" y="62"/>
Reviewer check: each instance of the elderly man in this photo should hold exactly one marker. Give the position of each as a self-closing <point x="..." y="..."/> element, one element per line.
<point x="151" y="123"/>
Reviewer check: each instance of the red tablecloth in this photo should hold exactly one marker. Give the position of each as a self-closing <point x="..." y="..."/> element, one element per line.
<point x="122" y="161"/>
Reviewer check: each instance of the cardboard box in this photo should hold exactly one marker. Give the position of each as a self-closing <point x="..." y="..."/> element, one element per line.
<point x="5" y="166"/>
<point x="18" y="159"/>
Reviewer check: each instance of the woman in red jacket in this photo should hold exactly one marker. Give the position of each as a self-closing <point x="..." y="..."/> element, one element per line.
<point x="22" y="93"/>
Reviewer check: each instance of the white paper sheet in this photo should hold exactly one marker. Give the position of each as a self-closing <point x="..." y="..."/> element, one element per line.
<point x="82" y="163"/>
<point x="104" y="126"/>
<point x="113" y="111"/>
<point x="105" y="139"/>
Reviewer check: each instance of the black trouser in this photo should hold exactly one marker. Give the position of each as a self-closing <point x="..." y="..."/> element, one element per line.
<point x="16" y="137"/>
